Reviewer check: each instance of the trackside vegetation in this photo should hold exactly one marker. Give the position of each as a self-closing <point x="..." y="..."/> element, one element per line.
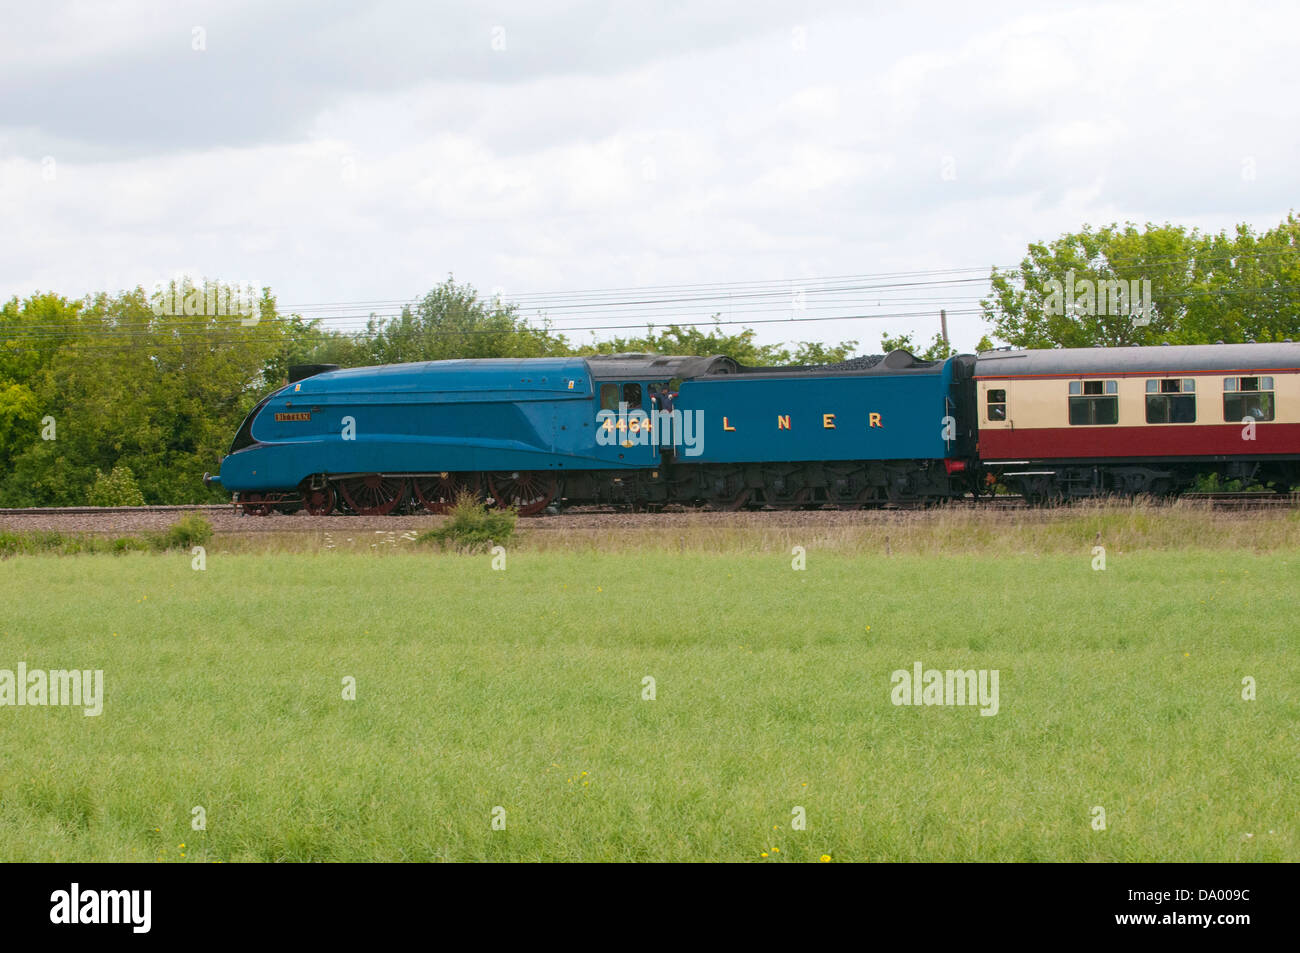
<point x="189" y="531"/>
<point x="471" y="527"/>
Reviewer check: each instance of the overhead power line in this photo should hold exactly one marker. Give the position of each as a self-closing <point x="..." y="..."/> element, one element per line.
<point x="854" y="297"/>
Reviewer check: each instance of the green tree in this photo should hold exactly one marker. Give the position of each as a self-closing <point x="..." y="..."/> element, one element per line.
<point x="1076" y="291"/>
<point x="158" y="393"/>
<point x="809" y="353"/>
<point x="938" y="350"/>
<point x="116" y="488"/>
<point x="740" y="346"/>
<point x="19" y="419"/>
<point x="31" y="333"/>
<point x="452" y="321"/>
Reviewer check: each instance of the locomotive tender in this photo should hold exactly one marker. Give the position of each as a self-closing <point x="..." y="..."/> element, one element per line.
<point x="649" y="430"/>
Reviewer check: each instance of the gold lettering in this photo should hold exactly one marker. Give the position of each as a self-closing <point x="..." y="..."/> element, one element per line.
<point x="874" y="421"/>
<point x="828" y="421"/>
<point x="725" y="425"/>
<point x="782" y="421"/>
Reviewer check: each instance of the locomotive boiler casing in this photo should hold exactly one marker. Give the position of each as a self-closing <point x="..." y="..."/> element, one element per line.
<point x="524" y="414"/>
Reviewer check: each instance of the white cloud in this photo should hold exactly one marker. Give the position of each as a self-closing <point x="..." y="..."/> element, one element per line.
<point x="613" y="152"/>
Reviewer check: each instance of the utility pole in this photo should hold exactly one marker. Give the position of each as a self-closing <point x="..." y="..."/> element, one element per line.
<point x="943" y="325"/>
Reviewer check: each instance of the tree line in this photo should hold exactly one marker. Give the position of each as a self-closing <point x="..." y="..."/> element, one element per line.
<point x="158" y="383"/>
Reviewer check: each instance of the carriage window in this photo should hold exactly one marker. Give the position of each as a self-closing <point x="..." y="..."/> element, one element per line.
<point x="1247" y="397"/>
<point x="1094" y="402"/>
<point x="609" y="397"/>
<point x="632" y="396"/>
<point x="997" y="405"/>
<point x="1171" y="401"/>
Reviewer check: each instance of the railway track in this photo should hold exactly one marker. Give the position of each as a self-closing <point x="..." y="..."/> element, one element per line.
<point x="112" y="510"/>
<point x="1225" y="500"/>
<point x="1245" y="499"/>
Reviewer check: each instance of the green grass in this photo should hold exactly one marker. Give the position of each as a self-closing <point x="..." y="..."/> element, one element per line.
<point x="522" y="688"/>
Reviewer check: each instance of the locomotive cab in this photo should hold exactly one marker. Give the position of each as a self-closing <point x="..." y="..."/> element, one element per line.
<point x="631" y="427"/>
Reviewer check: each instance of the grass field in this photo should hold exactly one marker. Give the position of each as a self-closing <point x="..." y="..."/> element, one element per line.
<point x="523" y="689"/>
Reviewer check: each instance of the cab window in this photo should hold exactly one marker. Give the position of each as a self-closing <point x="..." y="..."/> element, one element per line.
<point x="632" y="396"/>
<point x="609" y="397"/>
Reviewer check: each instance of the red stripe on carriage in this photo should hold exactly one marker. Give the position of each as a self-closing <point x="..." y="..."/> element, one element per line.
<point x="1175" y="440"/>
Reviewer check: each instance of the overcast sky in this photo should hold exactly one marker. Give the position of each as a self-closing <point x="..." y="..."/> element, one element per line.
<point x="344" y="152"/>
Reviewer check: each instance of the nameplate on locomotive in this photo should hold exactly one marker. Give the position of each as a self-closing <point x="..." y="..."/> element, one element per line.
<point x="301" y="415"/>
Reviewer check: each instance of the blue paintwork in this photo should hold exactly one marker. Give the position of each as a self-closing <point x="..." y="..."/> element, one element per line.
<point x="540" y="414"/>
<point x="426" y="417"/>
<point x="911" y="406"/>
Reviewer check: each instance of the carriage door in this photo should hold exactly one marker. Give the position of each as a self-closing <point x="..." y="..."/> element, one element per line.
<point x="995" y="405"/>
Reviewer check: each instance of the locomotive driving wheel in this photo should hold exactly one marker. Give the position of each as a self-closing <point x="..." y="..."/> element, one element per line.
<point x="438" y="491"/>
<point x="255" y="504"/>
<point x="319" y="502"/>
<point x="528" y="492"/>
<point x="373" y="494"/>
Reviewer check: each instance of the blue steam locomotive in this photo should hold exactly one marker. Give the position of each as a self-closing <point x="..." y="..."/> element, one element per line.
<point x="639" y="429"/>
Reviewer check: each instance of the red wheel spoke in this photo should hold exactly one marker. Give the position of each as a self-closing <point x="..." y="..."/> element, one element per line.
<point x="255" y="504"/>
<point x="373" y="494"/>
<point x="438" y="492"/>
<point x="320" y="501"/>
<point x="529" y="493"/>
